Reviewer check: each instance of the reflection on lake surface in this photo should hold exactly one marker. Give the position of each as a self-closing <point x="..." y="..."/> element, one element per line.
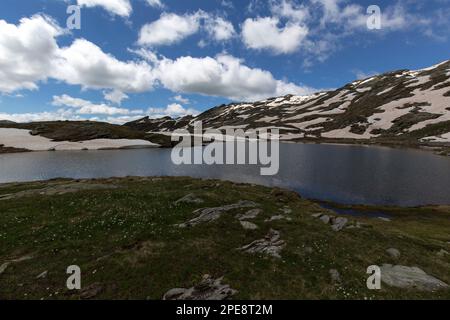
<point x="340" y="173"/>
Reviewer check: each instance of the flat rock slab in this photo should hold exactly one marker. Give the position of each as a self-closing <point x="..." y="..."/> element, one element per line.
<point x="248" y="225"/>
<point x="410" y="278"/>
<point x="190" y="198"/>
<point x="286" y="210"/>
<point x="271" y="245"/>
<point x="251" y="214"/>
<point x="211" y="214"/>
<point x="278" y="217"/>
<point x="207" y="289"/>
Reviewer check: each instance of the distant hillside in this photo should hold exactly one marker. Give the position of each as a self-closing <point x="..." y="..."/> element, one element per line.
<point x="75" y="131"/>
<point x="403" y="106"/>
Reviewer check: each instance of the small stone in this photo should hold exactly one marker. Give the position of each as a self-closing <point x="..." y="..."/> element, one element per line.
<point x="3" y="267"/>
<point x="339" y="223"/>
<point x="335" y="276"/>
<point x="384" y="219"/>
<point x="91" y="291"/>
<point x="394" y="253"/>
<point x="325" y="219"/>
<point x="42" y="275"/>
<point x="443" y="253"/>
<point x="278" y="217"/>
<point x="248" y="225"/>
<point x="309" y="250"/>
<point x="317" y="215"/>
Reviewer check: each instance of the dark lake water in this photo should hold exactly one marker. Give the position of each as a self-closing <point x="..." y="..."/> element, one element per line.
<point x="340" y="173"/>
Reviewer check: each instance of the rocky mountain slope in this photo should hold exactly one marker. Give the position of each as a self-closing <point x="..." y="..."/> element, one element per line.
<point x="403" y="106"/>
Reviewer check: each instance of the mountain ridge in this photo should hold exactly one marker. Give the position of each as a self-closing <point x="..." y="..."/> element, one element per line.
<point x="402" y="105"/>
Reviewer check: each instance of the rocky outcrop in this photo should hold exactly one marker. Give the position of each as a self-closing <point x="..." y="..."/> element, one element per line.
<point x="211" y="214"/>
<point x="336" y="223"/>
<point x="251" y="214"/>
<point x="271" y="245"/>
<point x="395" y="106"/>
<point x="207" y="289"/>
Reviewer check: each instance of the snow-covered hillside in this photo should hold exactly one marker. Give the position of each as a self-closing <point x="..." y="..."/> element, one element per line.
<point x="404" y="104"/>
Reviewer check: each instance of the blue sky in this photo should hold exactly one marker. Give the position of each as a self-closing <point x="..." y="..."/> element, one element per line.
<point x="133" y="58"/>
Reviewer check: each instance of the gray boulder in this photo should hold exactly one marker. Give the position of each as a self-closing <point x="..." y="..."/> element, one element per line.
<point x="190" y="198"/>
<point x="410" y="278"/>
<point x="325" y="219"/>
<point x="248" y="225"/>
<point x="394" y="253"/>
<point x="339" y="223"/>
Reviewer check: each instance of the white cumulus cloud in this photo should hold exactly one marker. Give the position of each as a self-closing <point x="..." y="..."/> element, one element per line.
<point x="27" y="52"/>
<point x="265" y="33"/>
<point x="84" y="63"/>
<point x="170" y="28"/>
<point x="115" y="96"/>
<point x="121" y="8"/>
<point x="156" y="4"/>
<point x="219" y="29"/>
<point x="224" y="76"/>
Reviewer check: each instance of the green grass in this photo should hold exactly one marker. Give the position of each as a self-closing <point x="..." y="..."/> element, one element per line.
<point x="125" y="240"/>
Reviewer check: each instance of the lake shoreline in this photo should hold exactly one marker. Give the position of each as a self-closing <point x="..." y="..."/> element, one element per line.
<point x="344" y="174"/>
<point x="358" y="209"/>
<point x="440" y="149"/>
